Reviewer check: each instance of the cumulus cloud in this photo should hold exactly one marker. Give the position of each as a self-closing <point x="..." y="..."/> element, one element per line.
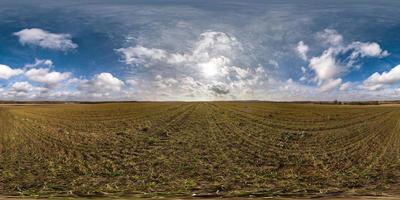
<point x="45" y="39"/>
<point x="6" y="72"/>
<point x="207" y="70"/>
<point x="163" y="83"/>
<point x="363" y="49"/>
<point x="210" y="54"/>
<point x="219" y="89"/>
<point x="326" y="66"/>
<point x="302" y="50"/>
<point x="330" y="85"/>
<point x="179" y="88"/>
<point x="23" y="90"/>
<point x="22" y="87"/>
<point x="338" y="58"/>
<point x="43" y="75"/>
<point x="102" y="84"/>
<point x="377" y="80"/>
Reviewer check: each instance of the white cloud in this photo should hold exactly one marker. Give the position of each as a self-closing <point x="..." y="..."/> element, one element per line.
<point x="380" y="81"/>
<point x="140" y="55"/>
<point x="303" y="70"/>
<point x="202" y="70"/>
<point x="22" y="87"/>
<point x="273" y="63"/>
<point x="345" y="86"/>
<point x="64" y="86"/>
<point x="338" y="59"/>
<point x="215" y="66"/>
<point x="132" y="82"/>
<point x="328" y="66"/>
<point x="330" y="36"/>
<point x="302" y="50"/>
<point x="45" y="39"/>
<point x="25" y="87"/>
<point x="209" y="59"/>
<point x="24" y="90"/>
<point x="372" y="87"/>
<point x="330" y="84"/>
<point x="390" y="77"/>
<point x="43" y="75"/>
<point x="214" y="43"/>
<point x="180" y="88"/>
<point x="241" y="73"/>
<point x="107" y="82"/>
<point x="6" y="72"/>
<point x="40" y="63"/>
<point x="364" y="49"/>
<point x="240" y="84"/>
<point x="210" y="54"/>
<point x="219" y="88"/>
<point x="325" y="66"/>
<point x="163" y="83"/>
<point x="103" y="84"/>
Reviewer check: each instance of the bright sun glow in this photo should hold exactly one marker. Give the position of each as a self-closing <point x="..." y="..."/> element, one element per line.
<point x="209" y="69"/>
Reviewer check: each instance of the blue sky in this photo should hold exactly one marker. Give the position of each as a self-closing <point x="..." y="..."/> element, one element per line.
<point x="199" y="50"/>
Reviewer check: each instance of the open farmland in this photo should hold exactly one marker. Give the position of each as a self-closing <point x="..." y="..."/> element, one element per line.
<point x="228" y="148"/>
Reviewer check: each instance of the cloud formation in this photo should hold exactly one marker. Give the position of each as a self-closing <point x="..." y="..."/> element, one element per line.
<point x="45" y="39"/>
<point x="302" y="50"/>
<point x="378" y="80"/>
<point x="338" y="59"/>
<point x="212" y="67"/>
<point x="219" y="89"/>
<point x="24" y="90"/>
<point x="208" y="70"/>
<point x="325" y="66"/>
<point x="22" y="87"/>
<point x="330" y="84"/>
<point x="330" y="37"/>
<point x="6" y="72"/>
<point x="269" y="50"/>
<point x="103" y="84"/>
<point x="43" y="75"/>
<point x="209" y="53"/>
<point x="40" y="63"/>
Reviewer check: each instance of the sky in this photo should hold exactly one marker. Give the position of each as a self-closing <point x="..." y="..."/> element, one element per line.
<point x="276" y="50"/>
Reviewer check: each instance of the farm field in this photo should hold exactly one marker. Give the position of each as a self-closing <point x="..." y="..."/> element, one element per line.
<point x="199" y="148"/>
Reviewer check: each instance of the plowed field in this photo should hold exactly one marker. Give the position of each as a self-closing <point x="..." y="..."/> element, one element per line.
<point x="229" y="148"/>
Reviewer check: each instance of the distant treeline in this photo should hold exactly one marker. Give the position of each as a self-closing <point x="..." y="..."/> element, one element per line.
<point x="349" y="102"/>
<point x="63" y="102"/>
<point x="32" y="102"/>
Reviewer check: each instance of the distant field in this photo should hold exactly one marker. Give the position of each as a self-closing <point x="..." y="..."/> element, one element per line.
<point x="219" y="148"/>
